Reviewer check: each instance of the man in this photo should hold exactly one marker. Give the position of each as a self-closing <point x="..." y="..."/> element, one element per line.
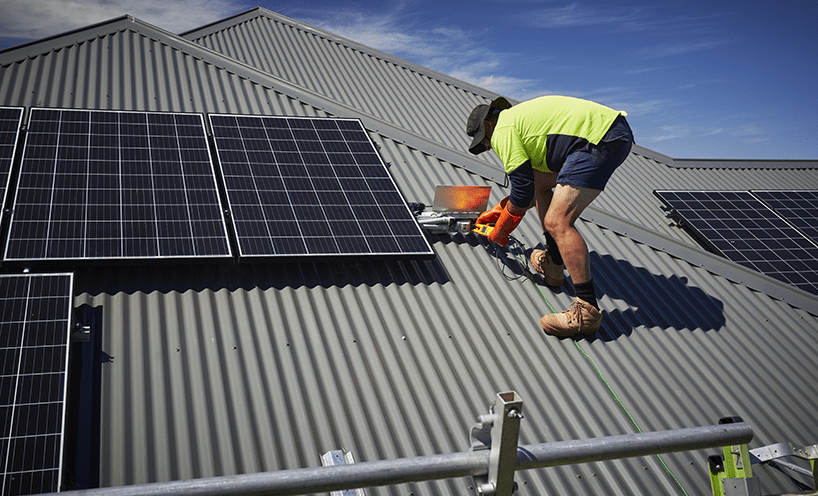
<point x="571" y="146"/>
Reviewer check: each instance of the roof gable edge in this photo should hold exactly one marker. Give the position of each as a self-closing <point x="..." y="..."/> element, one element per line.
<point x="719" y="163"/>
<point x="262" y="12"/>
<point x="35" y="48"/>
<point x="250" y="73"/>
<point x="221" y="24"/>
<point x="391" y="131"/>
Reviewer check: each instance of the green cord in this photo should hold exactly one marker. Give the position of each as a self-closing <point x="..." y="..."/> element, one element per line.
<point x="613" y="394"/>
<point x="628" y="413"/>
<point x="607" y="385"/>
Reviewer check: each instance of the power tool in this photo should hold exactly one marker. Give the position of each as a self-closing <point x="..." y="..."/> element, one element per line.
<point x="454" y="210"/>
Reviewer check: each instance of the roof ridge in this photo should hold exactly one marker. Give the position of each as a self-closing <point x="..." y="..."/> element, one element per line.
<point x="332" y="106"/>
<point x="244" y="70"/>
<point x="725" y="163"/>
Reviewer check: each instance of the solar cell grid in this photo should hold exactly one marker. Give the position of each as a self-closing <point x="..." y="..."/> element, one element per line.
<point x="34" y="332"/>
<point x="746" y="231"/>
<point x="10" y="120"/>
<point x="311" y="186"/>
<point x="799" y="208"/>
<point x="110" y="185"/>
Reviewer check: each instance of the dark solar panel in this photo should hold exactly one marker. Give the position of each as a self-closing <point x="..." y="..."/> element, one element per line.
<point x="798" y="207"/>
<point x="109" y="185"/>
<point x="744" y="230"/>
<point x="34" y="336"/>
<point x="10" y="119"/>
<point x="311" y="186"/>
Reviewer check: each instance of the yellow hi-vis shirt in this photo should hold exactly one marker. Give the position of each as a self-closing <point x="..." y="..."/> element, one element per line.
<point x="546" y="130"/>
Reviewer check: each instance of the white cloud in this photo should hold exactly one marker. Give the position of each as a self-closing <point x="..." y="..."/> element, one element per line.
<point x="644" y="107"/>
<point x="670" y="50"/>
<point x="447" y="50"/>
<point x="34" y="19"/>
<point x="393" y="33"/>
<point x="684" y="131"/>
<point x="575" y="15"/>
<point x="622" y="19"/>
<point x="514" y="88"/>
<point x="672" y="132"/>
<point x="752" y="133"/>
<point x="748" y="130"/>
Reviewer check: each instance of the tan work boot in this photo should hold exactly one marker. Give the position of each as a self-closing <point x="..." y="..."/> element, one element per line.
<point x="542" y="263"/>
<point x="581" y="318"/>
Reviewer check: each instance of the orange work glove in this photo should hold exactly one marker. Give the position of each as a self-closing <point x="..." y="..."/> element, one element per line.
<point x="503" y="227"/>
<point x="491" y="216"/>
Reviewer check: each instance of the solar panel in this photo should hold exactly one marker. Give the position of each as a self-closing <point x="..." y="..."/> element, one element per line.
<point x="34" y="336"/>
<point x="311" y="186"/>
<point x="743" y="229"/>
<point x="798" y="207"/>
<point x="10" y="120"/>
<point x="116" y="185"/>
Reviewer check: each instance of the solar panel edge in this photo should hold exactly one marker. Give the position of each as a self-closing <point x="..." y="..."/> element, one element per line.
<point x="15" y="149"/>
<point x="342" y="127"/>
<point x="7" y="165"/>
<point x="15" y="470"/>
<point x="214" y="178"/>
<point x="807" y="229"/>
<point x="65" y="379"/>
<point x="684" y="223"/>
<point x="222" y="250"/>
<point x="228" y="134"/>
<point x="753" y="242"/>
<point x="12" y="201"/>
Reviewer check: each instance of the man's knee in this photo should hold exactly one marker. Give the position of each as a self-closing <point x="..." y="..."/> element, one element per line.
<point x="556" y="224"/>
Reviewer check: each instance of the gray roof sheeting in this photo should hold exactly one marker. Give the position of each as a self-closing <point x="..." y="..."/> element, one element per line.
<point x="237" y="368"/>
<point x="374" y="83"/>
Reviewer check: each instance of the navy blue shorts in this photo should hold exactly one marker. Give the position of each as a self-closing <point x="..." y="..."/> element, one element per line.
<point x="593" y="165"/>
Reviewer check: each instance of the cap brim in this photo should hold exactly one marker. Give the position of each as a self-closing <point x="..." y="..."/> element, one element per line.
<point x="477" y="147"/>
<point x="500" y="103"/>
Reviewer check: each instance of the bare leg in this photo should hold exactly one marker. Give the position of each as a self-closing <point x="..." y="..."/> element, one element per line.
<point x="543" y="183"/>
<point x="567" y="204"/>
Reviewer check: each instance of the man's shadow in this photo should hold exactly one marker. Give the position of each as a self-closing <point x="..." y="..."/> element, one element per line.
<point x="646" y="300"/>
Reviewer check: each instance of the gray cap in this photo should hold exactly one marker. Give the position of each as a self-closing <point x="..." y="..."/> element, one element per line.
<point x="475" y="126"/>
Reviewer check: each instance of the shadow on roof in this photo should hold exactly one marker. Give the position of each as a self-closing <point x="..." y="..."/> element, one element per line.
<point x="643" y="300"/>
<point x="293" y="274"/>
<point x="652" y="300"/>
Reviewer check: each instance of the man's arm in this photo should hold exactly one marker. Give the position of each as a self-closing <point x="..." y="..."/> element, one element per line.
<point x="522" y="189"/>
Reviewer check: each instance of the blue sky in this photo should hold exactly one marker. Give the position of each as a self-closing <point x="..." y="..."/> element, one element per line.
<point x="729" y="79"/>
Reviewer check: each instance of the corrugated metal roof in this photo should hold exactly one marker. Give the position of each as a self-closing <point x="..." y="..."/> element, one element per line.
<point x="128" y="65"/>
<point x="235" y="368"/>
<point x="374" y="83"/>
<point x="266" y="367"/>
<point x="417" y="101"/>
